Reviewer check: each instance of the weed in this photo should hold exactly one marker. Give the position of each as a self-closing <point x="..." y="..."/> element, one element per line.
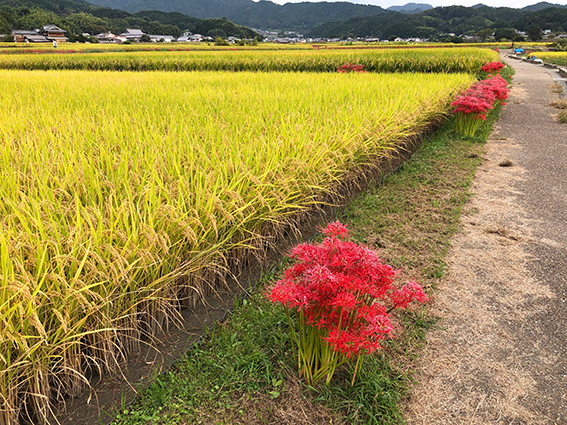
<point x="556" y="88"/>
<point x="559" y="104"/>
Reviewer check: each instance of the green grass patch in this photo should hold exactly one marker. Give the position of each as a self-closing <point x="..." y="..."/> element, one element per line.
<point x="243" y="372"/>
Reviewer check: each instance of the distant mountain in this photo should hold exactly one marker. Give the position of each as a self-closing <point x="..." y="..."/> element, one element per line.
<point x="314" y="19"/>
<point x="262" y="14"/>
<point x="306" y="16"/>
<point x="435" y="22"/>
<point x="50" y="5"/>
<point x="543" y="5"/>
<point x="411" y="8"/>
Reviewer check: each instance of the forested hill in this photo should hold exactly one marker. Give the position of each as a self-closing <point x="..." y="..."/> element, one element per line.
<point x="262" y="14"/>
<point x="78" y="16"/>
<point x="361" y="20"/>
<point x="542" y="5"/>
<point x="442" y="20"/>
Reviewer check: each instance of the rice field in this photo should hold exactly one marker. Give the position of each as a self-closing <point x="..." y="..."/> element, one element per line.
<point x="467" y="60"/>
<point x="16" y="48"/>
<point x="124" y="196"/>
<point x="557" y="58"/>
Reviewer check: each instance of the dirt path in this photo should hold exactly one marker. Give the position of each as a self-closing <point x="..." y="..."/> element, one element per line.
<point x="499" y="354"/>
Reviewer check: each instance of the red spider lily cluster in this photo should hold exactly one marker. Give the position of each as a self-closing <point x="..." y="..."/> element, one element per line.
<point x="492" y="67"/>
<point x="350" y="67"/>
<point x="480" y="97"/>
<point x="342" y="295"/>
<point x="473" y="104"/>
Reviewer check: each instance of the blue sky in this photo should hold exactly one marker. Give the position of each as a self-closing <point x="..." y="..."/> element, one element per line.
<point x="388" y="3"/>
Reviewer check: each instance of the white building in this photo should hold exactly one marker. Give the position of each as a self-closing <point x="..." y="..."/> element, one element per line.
<point x="131" y="35"/>
<point x="164" y="38"/>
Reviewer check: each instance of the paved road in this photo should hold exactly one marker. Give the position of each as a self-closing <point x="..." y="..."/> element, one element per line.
<point x="543" y="193"/>
<point x="500" y="352"/>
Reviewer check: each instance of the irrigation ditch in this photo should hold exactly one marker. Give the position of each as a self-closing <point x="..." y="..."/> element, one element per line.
<point x="108" y="395"/>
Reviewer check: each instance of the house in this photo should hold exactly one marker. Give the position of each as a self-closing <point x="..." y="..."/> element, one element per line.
<point x="106" y="37"/>
<point x="164" y="38"/>
<point x="54" y="33"/>
<point x="21" y="36"/>
<point x="187" y="37"/>
<point x="131" y="35"/>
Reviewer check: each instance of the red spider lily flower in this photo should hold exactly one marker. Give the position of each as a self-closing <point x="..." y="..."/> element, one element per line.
<point x="492" y="67"/>
<point x="349" y="67"/>
<point x="341" y="295"/>
<point x="336" y="230"/>
<point x="410" y="292"/>
<point x="473" y="104"/>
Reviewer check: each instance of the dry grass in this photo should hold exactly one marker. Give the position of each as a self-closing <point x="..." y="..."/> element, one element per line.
<point x="292" y="407"/>
<point x="562" y="117"/>
<point x="556" y="88"/>
<point x="559" y="104"/>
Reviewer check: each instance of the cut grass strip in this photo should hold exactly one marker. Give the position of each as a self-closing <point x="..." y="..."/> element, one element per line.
<point x="243" y="373"/>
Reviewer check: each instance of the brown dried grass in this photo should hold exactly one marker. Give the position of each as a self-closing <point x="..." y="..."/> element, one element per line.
<point x="472" y="371"/>
<point x="558" y="104"/>
<point x="292" y="407"/>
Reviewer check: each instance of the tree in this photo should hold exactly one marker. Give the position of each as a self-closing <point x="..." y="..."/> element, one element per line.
<point x="219" y="41"/>
<point x="484" y="33"/>
<point x="505" y="33"/>
<point x="84" y="22"/>
<point x="36" y="18"/>
<point x="145" y="38"/>
<point x="535" y="33"/>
